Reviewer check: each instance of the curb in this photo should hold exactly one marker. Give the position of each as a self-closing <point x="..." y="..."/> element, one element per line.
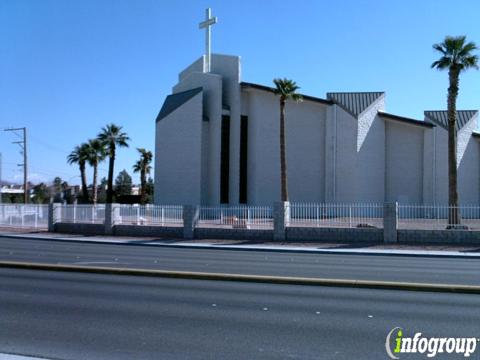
<point x="365" y="284"/>
<point x="244" y="248"/>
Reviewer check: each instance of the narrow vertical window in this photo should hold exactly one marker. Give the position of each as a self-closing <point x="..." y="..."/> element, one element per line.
<point x="243" y="159"/>
<point x="225" y="159"/>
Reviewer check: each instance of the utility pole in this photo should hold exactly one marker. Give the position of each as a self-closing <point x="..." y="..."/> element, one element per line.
<point x="23" y="145"/>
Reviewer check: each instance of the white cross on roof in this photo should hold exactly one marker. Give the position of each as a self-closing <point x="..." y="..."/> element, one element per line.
<point x="207" y="24"/>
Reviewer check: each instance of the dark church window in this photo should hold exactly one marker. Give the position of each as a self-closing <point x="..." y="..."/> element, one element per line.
<point x="243" y="158"/>
<point x="225" y="159"/>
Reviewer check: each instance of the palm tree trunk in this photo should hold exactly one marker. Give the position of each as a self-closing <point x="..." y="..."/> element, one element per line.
<point x="111" y="164"/>
<point x="83" y="176"/>
<point x="454" y="214"/>
<point x="95" y="170"/>
<point x="283" y="159"/>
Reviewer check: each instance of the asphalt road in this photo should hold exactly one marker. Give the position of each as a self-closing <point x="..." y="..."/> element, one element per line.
<point x="91" y="316"/>
<point x="358" y="267"/>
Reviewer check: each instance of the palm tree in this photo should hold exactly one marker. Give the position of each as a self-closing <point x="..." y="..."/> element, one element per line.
<point x="286" y="89"/>
<point x="112" y="136"/>
<point x="95" y="154"/>
<point x="457" y="56"/>
<point x="79" y="156"/>
<point x="143" y="167"/>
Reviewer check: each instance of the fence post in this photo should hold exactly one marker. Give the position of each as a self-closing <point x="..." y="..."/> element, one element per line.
<point x="54" y="215"/>
<point x="112" y="213"/>
<point x="281" y="218"/>
<point x="390" y="219"/>
<point x="190" y="218"/>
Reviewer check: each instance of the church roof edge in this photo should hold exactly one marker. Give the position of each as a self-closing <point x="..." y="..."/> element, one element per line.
<point x="440" y="117"/>
<point x="355" y="103"/>
<point x="174" y="101"/>
<point x="272" y="90"/>
<point x="406" y="119"/>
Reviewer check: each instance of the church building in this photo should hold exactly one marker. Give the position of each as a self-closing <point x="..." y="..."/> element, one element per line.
<point x="217" y="142"/>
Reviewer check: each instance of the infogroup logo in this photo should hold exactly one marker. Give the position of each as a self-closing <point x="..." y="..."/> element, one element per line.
<point x="396" y="344"/>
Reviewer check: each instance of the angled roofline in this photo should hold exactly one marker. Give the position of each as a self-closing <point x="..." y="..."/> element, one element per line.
<point x="174" y="101"/>
<point x="476" y="135"/>
<point x="406" y="120"/>
<point x="440" y="122"/>
<point x="272" y="90"/>
<point x="458" y="110"/>
<point x="349" y="110"/>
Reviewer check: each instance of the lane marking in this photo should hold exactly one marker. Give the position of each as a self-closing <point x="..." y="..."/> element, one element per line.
<point x="285" y="280"/>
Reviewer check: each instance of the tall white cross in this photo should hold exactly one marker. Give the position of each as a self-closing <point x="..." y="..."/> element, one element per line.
<point x="209" y="21"/>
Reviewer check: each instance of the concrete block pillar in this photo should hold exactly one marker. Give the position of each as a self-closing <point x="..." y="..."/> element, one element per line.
<point x="112" y="215"/>
<point x="190" y="219"/>
<point x="281" y="219"/>
<point x="54" y="215"/>
<point x="390" y="221"/>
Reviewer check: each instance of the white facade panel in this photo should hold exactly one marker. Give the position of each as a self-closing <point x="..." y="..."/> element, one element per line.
<point x="404" y="162"/>
<point x="178" y="155"/>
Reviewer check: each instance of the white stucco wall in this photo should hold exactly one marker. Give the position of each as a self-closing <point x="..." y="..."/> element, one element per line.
<point x="370" y="165"/>
<point x="345" y="157"/>
<point x="468" y="157"/>
<point x="429" y="166"/>
<point x="178" y="155"/>
<point x="212" y="109"/>
<point x="360" y="155"/>
<point x="441" y="166"/>
<point x="229" y="69"/>
<point x="404" y="145"/>
<point x="305" y="133"/>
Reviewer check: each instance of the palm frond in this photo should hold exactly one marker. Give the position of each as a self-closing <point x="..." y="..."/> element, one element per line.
<point x="456" y="53"/>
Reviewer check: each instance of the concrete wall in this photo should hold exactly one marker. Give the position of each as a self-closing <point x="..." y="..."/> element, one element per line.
<point x="178" y="171"/>
<point x="137" y="230"/>
<point x="87" y="229"/>
<point x="346" y="235"/>
<point x="305" y="139"/>
<point x="404" y="145"/>
<point x="438" y="237"/>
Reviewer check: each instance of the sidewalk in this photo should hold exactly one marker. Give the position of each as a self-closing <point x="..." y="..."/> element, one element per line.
<point x="466" y="251"/>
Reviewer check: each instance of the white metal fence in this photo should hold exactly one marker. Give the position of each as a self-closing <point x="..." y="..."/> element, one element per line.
<point x="156" y="215"/>
<point x="81" y="214"/>
<point x="240" y="217"/>
<point x="438" y="217"/>
<point x="353" y="215"/>
<point x="24" y="216"/>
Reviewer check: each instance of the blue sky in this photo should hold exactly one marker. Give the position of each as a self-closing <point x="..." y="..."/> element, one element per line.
<point x="69" y="67"/>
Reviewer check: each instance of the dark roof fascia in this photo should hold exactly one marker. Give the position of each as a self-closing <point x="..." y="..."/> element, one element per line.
<point x="406" y="120"/>
<point x="272" y="90"/>
<point x="174" y="101"/>
<point x="476" y="135"/>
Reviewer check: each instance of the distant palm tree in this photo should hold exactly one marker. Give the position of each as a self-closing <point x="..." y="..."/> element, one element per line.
<point x="112" y="136"/>
<point x="96" y="153"/>
<point x="457" y="56"/>
<point x="79" y="156"/>
<point x="286" y="89"/>
<point x="143" y="167"/>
